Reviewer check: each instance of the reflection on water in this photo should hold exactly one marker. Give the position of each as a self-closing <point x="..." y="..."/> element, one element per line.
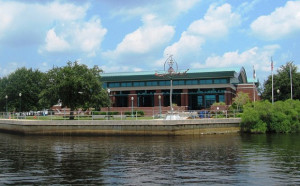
<point x="208" y="159"/>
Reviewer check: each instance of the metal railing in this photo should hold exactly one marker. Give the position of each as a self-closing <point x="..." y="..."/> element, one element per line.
<point x="136" y="115"/>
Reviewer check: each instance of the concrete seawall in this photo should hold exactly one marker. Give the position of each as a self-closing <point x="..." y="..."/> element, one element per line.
<point x="125" y="127"/>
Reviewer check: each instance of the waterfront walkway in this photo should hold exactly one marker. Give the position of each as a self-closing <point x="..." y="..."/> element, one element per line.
<point x="121" y="127"/>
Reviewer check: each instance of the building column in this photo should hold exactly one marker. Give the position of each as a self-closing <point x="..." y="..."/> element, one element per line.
<point x="228" y="96"/>
<point x="156" y="100"/>
<point x="184" y="98"/>
<point x="112" y="99"/>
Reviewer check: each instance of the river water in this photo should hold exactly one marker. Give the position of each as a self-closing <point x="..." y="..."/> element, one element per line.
<point x="191" y="160"/>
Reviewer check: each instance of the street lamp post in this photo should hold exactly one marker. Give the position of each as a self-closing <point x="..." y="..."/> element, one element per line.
<point x="132" y="98"/>
<point x="6" y="103"/>
<point x="278" y="92"/>
<point x="159" y="101"/>
<point x="108" y="108"/>
<point x="20" y="95"/>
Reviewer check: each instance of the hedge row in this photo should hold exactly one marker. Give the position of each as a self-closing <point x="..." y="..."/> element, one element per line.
<point x="139" y="113"/>
<point x="263" y="117"/>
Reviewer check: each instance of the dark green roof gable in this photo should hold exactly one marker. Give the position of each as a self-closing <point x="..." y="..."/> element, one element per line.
<point x="191" y="74"/>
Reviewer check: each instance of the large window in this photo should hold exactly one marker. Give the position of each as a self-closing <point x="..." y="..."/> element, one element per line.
<point x="166" y="83"/>
<point x="176" y="97"/>
<point x="178" y="82"/>
<point x="222" y="98"/>
<point x="192" y="82"/>
<point x="145" y="98"/>
<point x="206" y="81"/>
<point x="115" y="84"/>
<point x="200" y="101"/>
<point x="209" y="100"/>
<point x="121" y="99"/>
<point x="151" y="83"/>
<point x="220" y="81"/>
<point x="138" y="83"/>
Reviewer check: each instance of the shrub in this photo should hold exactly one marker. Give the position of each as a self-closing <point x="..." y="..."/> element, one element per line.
<point x="251" y="121"/>
<point x="139" y="113"/>
<point x="106" y="113"/>
<point x="218" y="104"/>
<point x="261" y="117"/>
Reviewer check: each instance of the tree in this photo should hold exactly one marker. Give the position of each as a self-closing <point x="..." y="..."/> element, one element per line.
<point x="76" y="86"/>
<point x="282" y="83"/>
<point x="28" y="83"/>
<point x="240" y="100"/>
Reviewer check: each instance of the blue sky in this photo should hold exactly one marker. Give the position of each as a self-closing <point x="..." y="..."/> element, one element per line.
<point x="138" y="35"/>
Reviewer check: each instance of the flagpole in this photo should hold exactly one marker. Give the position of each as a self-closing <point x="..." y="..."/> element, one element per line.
<point x="254" y="75"/>
<point x="272" y="81"/>
<point x="291" y="80"/>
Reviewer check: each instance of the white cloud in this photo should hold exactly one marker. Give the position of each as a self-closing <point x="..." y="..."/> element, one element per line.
<point x="180" y="6"/>
<point x="119" y="68"/>
<point x="259" y="57"/>
<point x="246" y="7"/>
<point x="8" y="13"/>
<point x="90" y="36"/>
<point x="65" y="11"/>
<point x="282" y="22"/>
<point x="215" y="24"/>
<point x="28" y="20"/>
<point x="82" y="36"/>
<point x="187" y="45"/>
<point x="54" y="26"/>
<point x="55" y="43"/>
<point x="146" y="38"/>
<point x="167" y="10"/>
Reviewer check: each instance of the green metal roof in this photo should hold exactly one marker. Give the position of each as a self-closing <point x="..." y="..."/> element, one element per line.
<point x="191" y="74"/>
<point x="250" y="80"/>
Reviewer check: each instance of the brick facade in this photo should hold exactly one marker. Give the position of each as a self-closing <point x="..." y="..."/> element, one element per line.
<point x="249" y="89"/>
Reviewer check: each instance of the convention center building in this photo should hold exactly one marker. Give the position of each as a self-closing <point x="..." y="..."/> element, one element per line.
<point x="195" y="89"/>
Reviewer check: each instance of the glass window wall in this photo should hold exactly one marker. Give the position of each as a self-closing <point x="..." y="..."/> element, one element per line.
<point x="220" y="81"/>
<point x="165" y="83"/>
<point x="205" y="81"/>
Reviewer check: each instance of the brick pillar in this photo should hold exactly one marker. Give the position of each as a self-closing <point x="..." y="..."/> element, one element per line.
<point x="229" y="95"/>
<point x="156" y="100"/>
<point x="112" y="99"/>
<point x="184" y="98"/>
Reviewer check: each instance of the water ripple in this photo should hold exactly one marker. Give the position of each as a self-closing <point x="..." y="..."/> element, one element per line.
<point x="198" y="160"/>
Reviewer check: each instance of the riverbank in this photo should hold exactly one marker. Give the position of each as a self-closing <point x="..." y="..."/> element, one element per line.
<point x="121" y="127"/>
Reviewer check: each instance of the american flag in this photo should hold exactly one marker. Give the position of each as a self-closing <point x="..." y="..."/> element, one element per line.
<point x="254" y="74"/>
<point x="271" y="64"/>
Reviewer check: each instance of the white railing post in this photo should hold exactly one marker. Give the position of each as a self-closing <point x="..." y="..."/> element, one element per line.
<point x="153" y="113"/>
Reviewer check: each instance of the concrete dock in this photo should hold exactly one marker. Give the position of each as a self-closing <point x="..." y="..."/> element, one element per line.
<point x="121" y="127"/>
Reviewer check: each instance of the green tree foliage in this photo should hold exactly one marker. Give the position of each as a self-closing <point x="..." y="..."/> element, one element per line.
<point x="240" y="99"/>
<point x="25" y="81"/>
<point x="262" y="117"/>
<point x="76" y="86"/>
<point x="219" y="104"/>
<point x="282" y="83"/>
